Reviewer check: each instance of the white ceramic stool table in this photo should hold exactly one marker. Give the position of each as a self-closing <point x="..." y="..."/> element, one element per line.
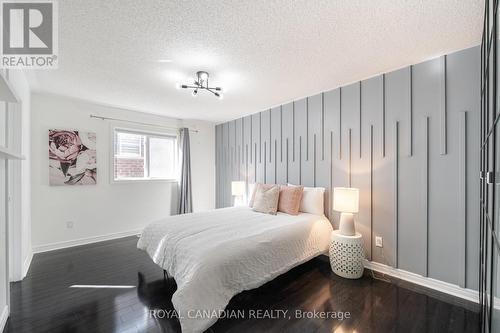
<point x="346" y="255"/>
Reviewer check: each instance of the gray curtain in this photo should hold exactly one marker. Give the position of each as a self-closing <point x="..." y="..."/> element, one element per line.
<point x="185" y="198"/>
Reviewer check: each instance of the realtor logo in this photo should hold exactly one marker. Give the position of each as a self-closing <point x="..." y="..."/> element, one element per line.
<point x="29" y="34"/>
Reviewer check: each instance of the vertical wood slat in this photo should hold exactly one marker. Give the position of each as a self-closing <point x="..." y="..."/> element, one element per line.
<point x="239" y="162"/>
<point x="281" y="133"/>
<point x="223" y="166"/>
<point x="226" y="160"/>
<point x="314" y="160"/>
<point x="443" y="109"/>
<point x="235" y="126"/>
<point x="260" y="138"/>
<point x="229" y="170"/>
<point x="219" y="175"/>
<point x="307" y="128"/>
<point x="244" y="153"/>
<point x="349" y="157"/>
<point x="396" y="194"/>
<point x="425" y="192"/>
<point x="231" y="163"/>
<point x="231" y="178"/>
<point x="287" y="161"/>
<point x="251" y="139"/>
<point x="371" y="192"/>
<point x="300" y="160"/>
<point x="360" y="118"/>
<point x="265" y="164"/>
<point x="410" y="111"/>
<point x="246" y="170"/>
<point x="275" y="161"/>
<point x="224" y="177"/>
<point x="331" y="175"/>
<point x="241" y="149"/>
<point x="217" y="167"/>
<point x="293" y="131"/>
<point x="255" y="163"/>
<point x="242" y="134"/>
<point x="270" y="134"/>
<point x="462" y="181"/>
<point x="383" y="115"/>
<point x="340" y="124"/>
<point x="322" y="126"/>
<point x="223" y="172"/>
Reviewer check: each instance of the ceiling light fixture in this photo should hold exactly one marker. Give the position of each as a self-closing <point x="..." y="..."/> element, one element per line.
<point x="201" y="83"/>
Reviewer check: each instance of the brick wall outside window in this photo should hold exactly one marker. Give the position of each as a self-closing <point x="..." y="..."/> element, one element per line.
<point x="129" y="168"/>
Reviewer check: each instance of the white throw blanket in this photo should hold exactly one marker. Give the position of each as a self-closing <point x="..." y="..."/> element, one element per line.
<point x="217" y="254"/>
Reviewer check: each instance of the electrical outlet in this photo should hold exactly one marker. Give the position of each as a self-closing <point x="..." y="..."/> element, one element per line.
<point x="379" y="241"/>
<point x="69" y="224"/>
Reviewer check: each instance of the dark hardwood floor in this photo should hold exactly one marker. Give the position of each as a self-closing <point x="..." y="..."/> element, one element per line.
<point x="45" y="301"/>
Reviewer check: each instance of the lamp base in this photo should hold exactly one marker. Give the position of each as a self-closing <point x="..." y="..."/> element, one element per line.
<point x="238" y="201"/>
<point x="346" y="226"/>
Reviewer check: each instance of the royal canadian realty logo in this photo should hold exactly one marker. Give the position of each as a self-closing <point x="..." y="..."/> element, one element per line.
<point x="29" y="34"/>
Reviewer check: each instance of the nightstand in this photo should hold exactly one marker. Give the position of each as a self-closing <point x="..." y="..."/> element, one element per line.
<point x="346" y="255"/>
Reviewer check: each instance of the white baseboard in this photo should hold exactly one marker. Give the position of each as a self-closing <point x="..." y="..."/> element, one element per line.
<point x="445" y="287"/>
<point x="27" y="264"/>
<point x="83" y="241"/>
<point x="3" y="317"/>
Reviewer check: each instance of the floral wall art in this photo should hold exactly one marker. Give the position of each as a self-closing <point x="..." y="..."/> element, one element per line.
<point x="72" y="157"/>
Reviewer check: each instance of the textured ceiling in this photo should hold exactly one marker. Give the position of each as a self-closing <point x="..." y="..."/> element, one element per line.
<point x="264" y="53"/>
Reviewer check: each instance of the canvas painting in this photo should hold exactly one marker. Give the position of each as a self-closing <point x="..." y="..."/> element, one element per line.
<point x="72" y="158"/>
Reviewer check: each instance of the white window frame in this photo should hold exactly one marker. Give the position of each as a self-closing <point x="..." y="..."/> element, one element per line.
<point x="148" y="133"/>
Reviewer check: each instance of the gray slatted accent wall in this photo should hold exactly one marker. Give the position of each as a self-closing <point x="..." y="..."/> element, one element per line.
<point x="407" y="139"/>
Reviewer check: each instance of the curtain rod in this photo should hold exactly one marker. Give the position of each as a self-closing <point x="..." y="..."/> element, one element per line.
<point x="140" y="123"/>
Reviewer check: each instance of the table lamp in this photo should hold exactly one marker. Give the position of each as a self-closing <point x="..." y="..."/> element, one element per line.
<point x="238" y="191"/>
<point x="346" y="201"/>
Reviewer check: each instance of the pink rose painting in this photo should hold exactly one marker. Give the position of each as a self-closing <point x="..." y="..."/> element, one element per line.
<point x="72" y="158"/>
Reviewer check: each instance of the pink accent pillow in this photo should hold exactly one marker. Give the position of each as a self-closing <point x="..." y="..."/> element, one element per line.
<point x="255" y="188"/>
<point x="289" y="200"/>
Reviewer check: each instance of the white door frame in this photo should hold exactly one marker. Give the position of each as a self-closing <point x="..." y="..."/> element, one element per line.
<point x="14" y="199"/>
<point x="7" y="230"/>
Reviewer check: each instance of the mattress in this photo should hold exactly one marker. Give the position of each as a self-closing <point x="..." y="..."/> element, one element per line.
<point x="215" y="255"/>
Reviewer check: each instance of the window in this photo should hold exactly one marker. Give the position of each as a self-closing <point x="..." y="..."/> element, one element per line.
<point x="144" y="156"/>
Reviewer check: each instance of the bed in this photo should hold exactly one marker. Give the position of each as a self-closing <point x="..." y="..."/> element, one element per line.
<point x="217" y="254"/>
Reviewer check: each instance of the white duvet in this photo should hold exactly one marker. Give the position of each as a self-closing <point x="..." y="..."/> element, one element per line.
<point x="217" y="254"/>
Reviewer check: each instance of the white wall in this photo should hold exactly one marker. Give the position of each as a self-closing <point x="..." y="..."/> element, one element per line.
<point x="105" y="208"/>
<point x="20" y="177"/>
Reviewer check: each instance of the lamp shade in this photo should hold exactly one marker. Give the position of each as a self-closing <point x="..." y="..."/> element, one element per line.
<point x="346" y="199"/>
<point x="238" y="188"/>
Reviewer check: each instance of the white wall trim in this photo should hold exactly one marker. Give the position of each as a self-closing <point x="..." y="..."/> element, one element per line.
<point x="445" y="287"/>
<point x="3" y="318"/>
<point x="27" y="264"/>
<point x="83" y="241"/>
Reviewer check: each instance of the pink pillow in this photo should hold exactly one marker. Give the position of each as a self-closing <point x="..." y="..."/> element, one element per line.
<point x="256" y="186"/>
<point x="289" y="200"/>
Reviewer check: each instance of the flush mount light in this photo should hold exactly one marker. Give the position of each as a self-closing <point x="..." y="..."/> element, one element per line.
<point x="201" y="83"/>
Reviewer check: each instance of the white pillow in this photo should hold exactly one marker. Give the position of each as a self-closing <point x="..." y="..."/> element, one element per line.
<point x="312" y="200"/>
<point x="266" y="199"/>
